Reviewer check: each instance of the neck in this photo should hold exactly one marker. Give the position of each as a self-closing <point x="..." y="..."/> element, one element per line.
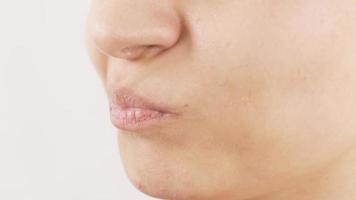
<point x="336" y="181"/>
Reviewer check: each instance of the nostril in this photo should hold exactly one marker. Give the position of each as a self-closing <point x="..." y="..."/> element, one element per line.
<point x="153" y="50"/>
<point x="132" y="52"/>
<point x="135" y="52"/>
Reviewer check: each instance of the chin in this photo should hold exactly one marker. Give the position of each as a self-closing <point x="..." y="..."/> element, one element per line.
<point x="161" y="178"/>
<point x="160" y="185"/>
<point x="163" y="174"/>
<point x="171" y="184"/>
<point x="169" y="189"/>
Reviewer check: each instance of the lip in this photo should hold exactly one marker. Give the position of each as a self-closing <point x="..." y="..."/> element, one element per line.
<point x="132" y="112"/>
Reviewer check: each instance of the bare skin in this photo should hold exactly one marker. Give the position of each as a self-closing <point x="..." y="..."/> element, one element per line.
<point x="265" y="92"/>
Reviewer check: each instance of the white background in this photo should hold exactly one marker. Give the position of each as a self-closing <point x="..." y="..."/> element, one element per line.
<point x="56" y="141"/>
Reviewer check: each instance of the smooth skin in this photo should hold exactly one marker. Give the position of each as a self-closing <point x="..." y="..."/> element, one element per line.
<point x="265" y="89"/>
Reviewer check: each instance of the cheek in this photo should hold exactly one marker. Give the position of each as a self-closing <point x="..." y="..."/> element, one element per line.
<point x="306" y="99"/>
<point x="287" y="91"/>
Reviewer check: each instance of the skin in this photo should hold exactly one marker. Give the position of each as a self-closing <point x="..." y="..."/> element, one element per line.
<point x="264" y="89"/>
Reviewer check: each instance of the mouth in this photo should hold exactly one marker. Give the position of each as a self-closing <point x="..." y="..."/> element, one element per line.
<point x="131" y="112"/>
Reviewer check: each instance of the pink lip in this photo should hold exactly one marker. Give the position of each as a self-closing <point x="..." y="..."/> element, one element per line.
<point x="131" y="112"/>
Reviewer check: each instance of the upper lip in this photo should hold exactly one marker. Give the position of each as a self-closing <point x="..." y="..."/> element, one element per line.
<point x="125" y="98"/>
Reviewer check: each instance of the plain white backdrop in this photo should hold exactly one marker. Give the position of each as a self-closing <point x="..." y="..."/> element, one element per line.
<point x="56" y="141"/>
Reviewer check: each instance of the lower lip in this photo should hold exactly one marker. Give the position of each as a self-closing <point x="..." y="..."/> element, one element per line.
<point x="133" y="119"/>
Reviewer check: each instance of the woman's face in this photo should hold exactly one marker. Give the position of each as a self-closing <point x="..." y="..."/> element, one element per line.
<point x="265" y="90"/>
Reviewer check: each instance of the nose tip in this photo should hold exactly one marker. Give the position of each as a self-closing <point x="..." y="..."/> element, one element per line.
<point x="131" y="41"/>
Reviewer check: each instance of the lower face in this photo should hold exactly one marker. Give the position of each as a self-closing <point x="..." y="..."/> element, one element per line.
<point x="265" y="92"/>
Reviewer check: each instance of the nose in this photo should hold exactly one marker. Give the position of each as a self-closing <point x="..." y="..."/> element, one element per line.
<point x="133" y="29"/>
